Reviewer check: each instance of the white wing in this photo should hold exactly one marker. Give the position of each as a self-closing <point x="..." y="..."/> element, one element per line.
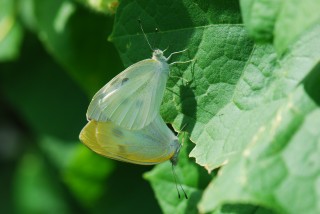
<point x="153" y="144"/>
<point x="132" y="99"/>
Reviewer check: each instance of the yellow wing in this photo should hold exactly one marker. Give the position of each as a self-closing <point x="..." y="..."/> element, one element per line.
<point x="151" y="145"/>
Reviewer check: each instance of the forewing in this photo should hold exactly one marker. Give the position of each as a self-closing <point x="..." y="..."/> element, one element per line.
<point x="132" y="99"/>
<point x="150" y="145"/>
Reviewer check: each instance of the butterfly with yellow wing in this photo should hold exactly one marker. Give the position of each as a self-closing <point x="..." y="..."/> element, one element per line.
<point x="152" y="144"/>
<point x="124" y="120"/>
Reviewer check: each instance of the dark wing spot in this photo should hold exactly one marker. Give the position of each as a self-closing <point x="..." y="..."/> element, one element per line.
<point x="139" y="103"/>
<point x="122" y="149"/>
<point x="124" y="80"/>
<point x="117" y="132"/>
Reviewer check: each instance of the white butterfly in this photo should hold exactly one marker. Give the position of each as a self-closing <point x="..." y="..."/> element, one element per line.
<point x="152" y="144"/>
<point x="124" y="120"/>
<point x="132" y="99"/>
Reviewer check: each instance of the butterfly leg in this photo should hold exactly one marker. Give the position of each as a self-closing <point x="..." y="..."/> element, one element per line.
<point x="179" y="62"/>
<point x="175" y="53"/>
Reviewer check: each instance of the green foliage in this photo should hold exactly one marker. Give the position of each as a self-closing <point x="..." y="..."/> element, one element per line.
<point x="243" y="104"/>
<point x="108" y="7"/>
<point x="284" y="22"/>
<point x="193" y="179"/>
<point x="249" y="103"/>
<point x="10" y="31"/>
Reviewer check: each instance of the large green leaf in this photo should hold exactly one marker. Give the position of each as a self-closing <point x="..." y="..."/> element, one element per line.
<point x="211" y="79"/>
<point x="258" y="94"/>
<point x="280" y="167"/>
<point x="231" y="93"/>
<point x="283" y="22"/>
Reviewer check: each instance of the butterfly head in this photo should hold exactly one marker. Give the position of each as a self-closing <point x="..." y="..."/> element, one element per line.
<point x="158" y="55"/>
<point x="174" y="159"/>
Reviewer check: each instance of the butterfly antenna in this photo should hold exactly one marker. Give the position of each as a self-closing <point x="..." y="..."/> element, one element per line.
<point x="156" y="32"/>
<point x="165" y="49"/>
<point x="175" y="180"/>
<point x="145" y="36"/>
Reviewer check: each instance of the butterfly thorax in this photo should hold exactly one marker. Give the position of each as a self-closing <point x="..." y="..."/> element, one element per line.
<point x="158" y="55"/>
<point x="163" y="65"/>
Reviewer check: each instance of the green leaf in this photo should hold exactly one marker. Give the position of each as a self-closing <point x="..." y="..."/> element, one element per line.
<point x="259" y="93"/>
<point x="281" y="22"/>
<point x="233" y="91"/>
<point x="83" y="171"/>
<point x="279" y="168"/>
<point x="50" y="106"/>
<point x="192" y="178"/>
<point x="241" y="209"/>
<point x="210" y="83"/>
<point x="176" y="29"/>
<point x="77" y="39"/>
<point x="10" y="31"/>
<point x="43" y="95"/>
<point x="35" y="189"/>
<point x="86" y="174"/>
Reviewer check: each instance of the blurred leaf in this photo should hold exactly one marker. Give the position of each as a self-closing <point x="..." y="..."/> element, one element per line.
<point x="77" y="39"/>
<point x="83" y="171"/>
<point x="108" y="7"/>
<point x="53" y="106"/>
<point x="86" y="174"/>
<point x="59" y="152"/>
<point x="284" y="23"/>
<point x="27" y="16"/>
<point x="10" y="31"/>
<point x="43" y="94"/>
<point x="35" y="189"/>
<point x="192" y="178"/>
<point x="12" y="142"/>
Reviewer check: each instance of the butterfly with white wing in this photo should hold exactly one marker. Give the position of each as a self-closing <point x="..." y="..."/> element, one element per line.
<point x="124" y="115"/>
<point x="132" y="99"/>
